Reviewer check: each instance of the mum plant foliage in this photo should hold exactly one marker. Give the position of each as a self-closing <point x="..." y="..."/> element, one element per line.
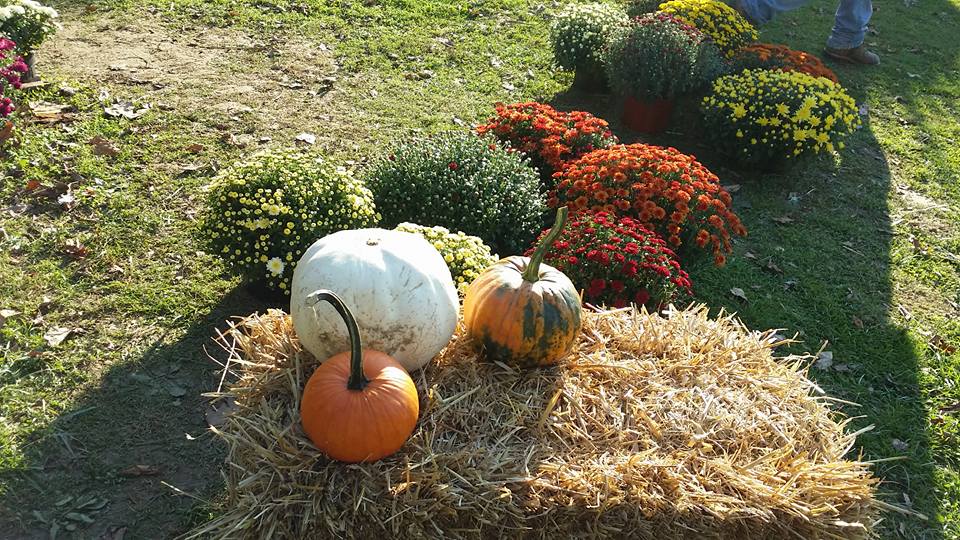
<point x="617" y="261"/>
<point x="547" y="136"/>
<point x="465" y="255"/>
<point x="263" y="213"/>
<point x="11" y="66"/>
<point x="661" y="188"/>
<point x="768" y="118"/>
<point x="656" y="56"/>
<point x="27" y="23"/>
<point x="728" y="29"/>
<point x="463" y="182"/>
<point x="637" y="8"/>
<point x="780" y="57"/>
<point x="579" y="32"/>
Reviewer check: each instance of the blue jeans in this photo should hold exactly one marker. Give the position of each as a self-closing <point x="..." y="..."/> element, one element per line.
<point x="849" y="27"/>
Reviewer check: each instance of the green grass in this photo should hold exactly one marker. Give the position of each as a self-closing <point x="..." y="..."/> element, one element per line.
<point x="870" y="262"/>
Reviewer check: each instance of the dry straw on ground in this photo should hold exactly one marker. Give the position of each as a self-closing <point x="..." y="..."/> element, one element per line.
<point x="658" y="427"/>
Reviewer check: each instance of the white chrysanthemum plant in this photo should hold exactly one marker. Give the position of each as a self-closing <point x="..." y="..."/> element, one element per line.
<point x="579" y="33"/>
<point x="28" y="23"/>
<point x="264" y="212"/>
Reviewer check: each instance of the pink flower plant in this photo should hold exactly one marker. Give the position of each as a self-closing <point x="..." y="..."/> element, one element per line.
<point x="11" y="66"/>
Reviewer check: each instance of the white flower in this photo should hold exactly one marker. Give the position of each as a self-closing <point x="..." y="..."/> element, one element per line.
<point x="275" y="266"/>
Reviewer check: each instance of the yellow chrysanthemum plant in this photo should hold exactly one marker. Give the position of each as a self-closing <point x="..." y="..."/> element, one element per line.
<point x="728" y="29"/>
<point x="771" y="119"/>
<point x="264" y="212"/>
<point x="466" y="256"/>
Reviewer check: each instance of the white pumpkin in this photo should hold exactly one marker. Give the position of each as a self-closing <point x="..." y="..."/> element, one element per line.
<point x="397" y="285"/>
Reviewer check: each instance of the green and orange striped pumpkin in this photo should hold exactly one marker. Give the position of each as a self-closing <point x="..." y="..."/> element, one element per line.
<point x="522" y="312"/>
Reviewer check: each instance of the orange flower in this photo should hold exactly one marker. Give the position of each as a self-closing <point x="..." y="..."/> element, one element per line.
<point x="549" y="137"/>
<point x="771" y="56"/>
<point x="663" y="188"/>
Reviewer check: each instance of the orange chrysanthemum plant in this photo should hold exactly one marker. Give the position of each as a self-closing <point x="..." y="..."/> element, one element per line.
<point x="663" y="189"/>
<point x="783" y="58"/>
<point x="548" y="136"/>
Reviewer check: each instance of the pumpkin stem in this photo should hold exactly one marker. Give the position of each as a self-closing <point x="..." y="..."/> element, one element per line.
<point x="532" y="273"/>
<point x="357" y="380"/>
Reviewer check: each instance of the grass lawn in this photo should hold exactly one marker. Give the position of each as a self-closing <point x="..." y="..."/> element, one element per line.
<point x="860" y="255"/>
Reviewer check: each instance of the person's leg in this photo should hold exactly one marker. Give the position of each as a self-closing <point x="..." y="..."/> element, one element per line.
<point x="762" y="11"/>
<point x="849" y="31"/>
<point x="850" y="24"/>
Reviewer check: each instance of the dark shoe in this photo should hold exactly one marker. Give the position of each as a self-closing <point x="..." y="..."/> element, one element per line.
<point x="856" y="55"/>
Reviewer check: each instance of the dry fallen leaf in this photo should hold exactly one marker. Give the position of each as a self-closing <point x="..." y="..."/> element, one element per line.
<point x="7" y="314"/>
<point x="56" y="335"/>
<point x="51" y="113"/>
<point x="898" y="445"/>
<point x="75" y="249"/>
<point x="216" y="414"/>
<point x="195" y="148"/>
<point x="140" y="470"/>
<point x="306" y="138"/>
<point x="103" y="147"/>
<point x="783" y="220"/>
<point x="66" y="200"/>
<point x="824" y="360"/>
<point x="942" y="344"/>
<point x="738" y="293"/>
<point x="126" y="110"/>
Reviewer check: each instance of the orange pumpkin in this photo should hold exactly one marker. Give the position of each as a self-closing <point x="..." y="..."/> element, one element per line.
<point x="523" y="312"/>
<point x="358" y="405"/>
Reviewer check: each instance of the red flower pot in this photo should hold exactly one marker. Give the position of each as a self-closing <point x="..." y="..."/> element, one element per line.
<point x="652" y="116"/>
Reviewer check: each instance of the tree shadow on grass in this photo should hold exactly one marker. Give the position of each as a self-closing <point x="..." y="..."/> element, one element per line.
<point x="134" y="452"/>
<point x="827" y="274"/>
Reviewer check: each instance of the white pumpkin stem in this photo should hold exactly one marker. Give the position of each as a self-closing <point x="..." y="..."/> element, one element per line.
<point x="532" y="273"/>
<point x="357" y="380"/>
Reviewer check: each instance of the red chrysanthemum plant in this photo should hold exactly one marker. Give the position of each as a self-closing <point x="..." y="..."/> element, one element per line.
<point x="662" y="188"/>
<point x="549" y="137"/>
<point x="11" y="66"/>
<point x="616" y="262"/>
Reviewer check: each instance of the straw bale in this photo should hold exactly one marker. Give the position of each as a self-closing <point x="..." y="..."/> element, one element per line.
<point x="659" y="426"/>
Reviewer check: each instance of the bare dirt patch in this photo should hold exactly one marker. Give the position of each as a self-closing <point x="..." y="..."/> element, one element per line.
<point x="278" y="84"/>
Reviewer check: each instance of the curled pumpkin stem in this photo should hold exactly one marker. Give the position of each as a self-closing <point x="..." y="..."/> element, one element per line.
<point x="357" y="380"/>
<point x="532" y="272"/>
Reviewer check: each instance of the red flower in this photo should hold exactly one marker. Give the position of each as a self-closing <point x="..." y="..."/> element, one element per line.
<point x="453" y="165"/>
<point x="642" y="297"/>
<point x="617" y="260"/>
